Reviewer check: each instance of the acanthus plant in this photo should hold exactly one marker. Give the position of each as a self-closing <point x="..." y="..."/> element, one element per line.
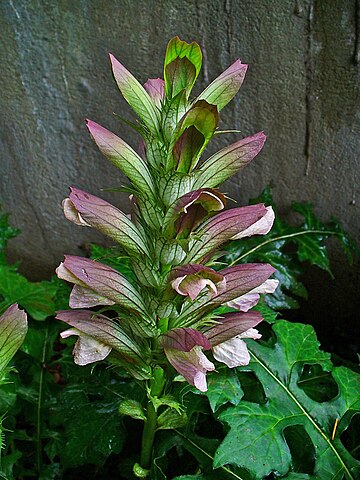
<point x="169" y="316"/>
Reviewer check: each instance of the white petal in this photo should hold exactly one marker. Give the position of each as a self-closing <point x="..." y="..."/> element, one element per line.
<point x="200" y="381"/>
<point x="233" y="353"/>
<point x="269" y="286"/>
<point x="261" y="227"/>
<point x="88" y="350"/>
<point x="249" y="300"/>
<point x="176" y="285"/>
<point x="64" y="274"/>
<point x="251" y="333"/>
<point x="82" y="297"/>
<point x="245" y="302"/>
<point x="72" y="214"/>
<point x="69" y="332"/>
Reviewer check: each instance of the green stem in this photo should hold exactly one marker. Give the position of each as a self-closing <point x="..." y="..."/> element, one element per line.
<point x="282" y="237"/>
<point x="38" y="415"/>
<point x="148" y="436"/>
<point x="157" y="385"/>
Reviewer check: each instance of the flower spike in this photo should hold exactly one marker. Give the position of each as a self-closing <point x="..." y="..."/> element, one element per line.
<point x="170" y="311"/>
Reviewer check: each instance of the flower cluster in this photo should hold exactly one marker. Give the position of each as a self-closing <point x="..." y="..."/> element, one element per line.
<point x="170" y="313"/>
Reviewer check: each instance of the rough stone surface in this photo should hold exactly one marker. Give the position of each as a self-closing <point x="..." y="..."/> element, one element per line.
<point x="302" y="88"/>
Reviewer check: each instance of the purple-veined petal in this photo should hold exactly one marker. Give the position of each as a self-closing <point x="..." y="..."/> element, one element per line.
<point x="223" y="227"/>
<point x="249" y="300"/>
<point x="240" y="279"/>
<point x="262" y="227"/>
<point x="184" y="339"/>
<point x="86" y="350"/>
<point x="82" y="297"/>
<point x="103" y="330"/>
<point x="103" y="280"/>
<point x="225" y="86"/>
<point x="228" y="161"/>
<point x="191" y="365"/>
<point x="190" y="209"/>
<point x="191" y="279"/>
<point x="234" y="352"/>
<point x="231" y="325"/>
<point x="123" y="157"/>
<point x="97" y="213"/>
<point x="13" y="328"/>
<point x="136" y="95"/>
<point x="155" y="89"/>
<point x="72" y="214"/>
<point x="183" y="348"/>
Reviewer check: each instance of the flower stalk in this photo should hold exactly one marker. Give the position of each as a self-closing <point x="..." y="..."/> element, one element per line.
<point x="156" y="389"/>
<point x="168" y="318"/>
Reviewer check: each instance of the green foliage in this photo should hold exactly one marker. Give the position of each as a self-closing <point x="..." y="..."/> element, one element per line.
<point x="259" y="430"/>
<point x="6" y="233"/>
<point x="287" y="246"/>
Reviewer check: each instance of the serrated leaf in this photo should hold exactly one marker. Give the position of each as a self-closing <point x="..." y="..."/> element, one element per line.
<point x="223" y="387"/>
<point x="133" y="409"/>
<point x="257" y="430"/>
<point x="36" y="297"/>
<point x="92" y="430"/>
<point x="277" y="247"/>
<point x="171" y="419"/>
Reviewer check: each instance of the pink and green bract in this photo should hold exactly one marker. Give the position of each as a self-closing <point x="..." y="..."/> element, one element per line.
<point x="168" y="319"/>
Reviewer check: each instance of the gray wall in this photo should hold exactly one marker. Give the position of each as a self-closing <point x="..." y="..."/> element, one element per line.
<point x="302" y="88"/>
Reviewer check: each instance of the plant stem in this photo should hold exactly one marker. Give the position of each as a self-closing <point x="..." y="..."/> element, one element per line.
<point x="148" y="436"/>
<point x="157" y="385"/>
<point x="38" y="414"/>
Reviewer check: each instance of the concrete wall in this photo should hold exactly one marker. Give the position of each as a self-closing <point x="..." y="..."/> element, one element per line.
<point x="302" y="88"/>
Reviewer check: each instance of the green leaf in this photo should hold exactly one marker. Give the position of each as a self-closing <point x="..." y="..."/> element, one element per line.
<point x="133" y="409"/>
<point x="287" y="246"/>
<point x="172" y="112"/>
<point x="223" y="387"/>
<point x="171" y="419"/>
<point x="257" y="430"/>
<point x="6" y="233"/>
<point x="181" y="67"/>
<point x="92" y="431"/>
<point x="36" y="297"/>
<point x="7" y="465"/>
